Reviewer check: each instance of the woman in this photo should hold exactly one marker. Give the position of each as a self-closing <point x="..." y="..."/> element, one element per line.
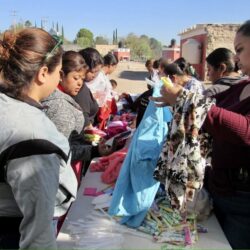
<point x="228" y="124"/>
<point x="101" y="89"/>
<point x="221" y="71"/>
<point x="32" y="151"/>
<point x="85" y="98"/>
<point x="179" y="76"/>
<point x="63" y="110"/>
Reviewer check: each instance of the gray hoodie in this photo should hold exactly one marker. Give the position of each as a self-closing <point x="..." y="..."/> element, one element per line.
<point x="221" y="85"/>
<point x="36" y="179"/>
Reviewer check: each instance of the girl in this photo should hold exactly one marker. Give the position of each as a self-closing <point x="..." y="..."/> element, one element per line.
<point x="67" y="115"/>
<point x="85" y="98"/>
<point x="101" y="89"/>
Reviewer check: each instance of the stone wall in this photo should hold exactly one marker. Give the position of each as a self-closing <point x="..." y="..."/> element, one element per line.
<point x="220" y="35"/>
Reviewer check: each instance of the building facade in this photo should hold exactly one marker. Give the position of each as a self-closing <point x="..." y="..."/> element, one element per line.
<point x="200" y="40"/>
<point x="171" y="53"/>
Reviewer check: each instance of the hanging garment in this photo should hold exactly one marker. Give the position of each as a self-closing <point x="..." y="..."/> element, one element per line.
<point x="182" y="161"/>
<point x="135" y="187"/>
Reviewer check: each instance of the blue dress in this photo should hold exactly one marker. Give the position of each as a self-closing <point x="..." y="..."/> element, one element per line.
<point x="135" y="188"/>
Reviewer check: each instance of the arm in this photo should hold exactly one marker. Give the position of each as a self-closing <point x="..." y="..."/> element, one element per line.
<point x="60" y="114"/>
<point x="34" y="183"/>
<point x="81" y="151"/>
<point x="228" y="126"/>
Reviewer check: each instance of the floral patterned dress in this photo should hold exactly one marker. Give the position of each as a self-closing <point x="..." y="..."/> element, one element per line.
<point x="183" y="158"/>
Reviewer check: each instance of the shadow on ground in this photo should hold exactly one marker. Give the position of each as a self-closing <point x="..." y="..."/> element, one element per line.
<point x="133" y="75"/>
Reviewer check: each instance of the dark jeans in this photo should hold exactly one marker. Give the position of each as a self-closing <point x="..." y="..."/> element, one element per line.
<point x="233" y="214"/>
<point x="9" y="232"/>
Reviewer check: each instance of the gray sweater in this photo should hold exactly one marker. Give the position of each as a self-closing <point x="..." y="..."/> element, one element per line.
<point x="63" y="110"/>
<point x="37" y="181"/>
<point x="221" y="85"/>
<point x="68" y="117"/>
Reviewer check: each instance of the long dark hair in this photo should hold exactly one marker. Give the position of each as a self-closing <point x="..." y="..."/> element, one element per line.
<point x="92" y="57"/>
<point x="72" y="61"/>
<point x="23" y="54"/>
<point x="245" y="28"/>
<point x="219" y="56"/>
<point x="110" y="59"/>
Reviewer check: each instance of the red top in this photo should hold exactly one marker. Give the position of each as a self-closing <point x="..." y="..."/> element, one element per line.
<point x="229" y="124"/>
<point x="60" y="87"/>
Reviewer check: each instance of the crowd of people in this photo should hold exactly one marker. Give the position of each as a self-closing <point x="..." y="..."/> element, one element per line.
<point x="49" y="99"/>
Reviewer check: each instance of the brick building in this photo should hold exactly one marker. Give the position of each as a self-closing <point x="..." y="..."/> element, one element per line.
<point x="171" y="54"/>
<point x="198" y="41"/>
<point x="122" y="54"/>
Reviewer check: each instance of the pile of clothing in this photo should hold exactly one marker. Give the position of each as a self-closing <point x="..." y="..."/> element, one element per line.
<point x="94" y="135"/>
<point x="110" y="166"/>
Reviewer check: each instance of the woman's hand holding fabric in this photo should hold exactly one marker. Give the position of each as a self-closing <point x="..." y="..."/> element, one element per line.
<point x="169" y="95"/>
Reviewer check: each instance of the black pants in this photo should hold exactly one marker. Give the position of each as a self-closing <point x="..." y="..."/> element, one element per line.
<point x="9" y="232"/>
<point x="233" y="214"/>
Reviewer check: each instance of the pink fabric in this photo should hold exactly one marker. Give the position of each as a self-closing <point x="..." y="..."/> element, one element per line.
<point x="111" y="165"/>
<point x="111" y="173"/>
<point x="116" y="127"/>
<point x="77" y="167"/>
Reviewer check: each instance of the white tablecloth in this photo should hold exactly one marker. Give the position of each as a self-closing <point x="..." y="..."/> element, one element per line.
<point x="214" y="239"/>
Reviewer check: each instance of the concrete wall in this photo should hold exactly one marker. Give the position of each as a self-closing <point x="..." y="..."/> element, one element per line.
<point x="211" y="36"/>
<point x="105" y="49"/>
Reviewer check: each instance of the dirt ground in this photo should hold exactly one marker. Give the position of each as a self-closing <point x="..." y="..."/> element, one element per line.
<point x="130" y="77"/>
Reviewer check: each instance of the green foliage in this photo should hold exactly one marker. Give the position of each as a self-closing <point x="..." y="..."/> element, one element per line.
<point x="115" y="39"/>
<point x="156" y="47"/>
<point x="84" y="42"/>
<point x="28" y="23"/>
<point x="143" y="47"/>
<point x="16" y="27"/>
<point x="100" y="40"/>
<point x="85" y="33"/>
<point x="84" y="38"/>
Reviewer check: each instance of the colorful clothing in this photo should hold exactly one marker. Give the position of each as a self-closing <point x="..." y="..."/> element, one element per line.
<point x="195" y="86"/>
<point x="183" y="159"/>
<point x="136" y="188"/>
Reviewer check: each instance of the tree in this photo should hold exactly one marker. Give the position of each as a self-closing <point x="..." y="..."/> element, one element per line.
<point x="57" y="28"/>
<point x="121" y="44"/>
<point x="156" y="47"/>
<point x="16" y="27"/>
<point x="28" y="23"/>
<point x="172" y="43"/>
<point x="100" y="40"/>
<point x="144" y="37"/>
<point x="115" y="39"/>
<point x="84" y="38"/>
<point x="143" y="47"/>
<point x="84" y="42"/>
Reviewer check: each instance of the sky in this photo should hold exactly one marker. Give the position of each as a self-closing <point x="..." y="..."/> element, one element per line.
<point x="161" y="19"/>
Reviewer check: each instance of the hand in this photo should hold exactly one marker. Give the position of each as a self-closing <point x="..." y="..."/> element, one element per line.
<point x="123" y="95"/>
<point x="104" y="149"/>
<point x="90" y="126"/>
<point x="169" y="95"/>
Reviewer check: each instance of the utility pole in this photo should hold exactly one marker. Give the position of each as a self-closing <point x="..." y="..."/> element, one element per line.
<point x="44" y="21"/>
<point x="14" y="15"/>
